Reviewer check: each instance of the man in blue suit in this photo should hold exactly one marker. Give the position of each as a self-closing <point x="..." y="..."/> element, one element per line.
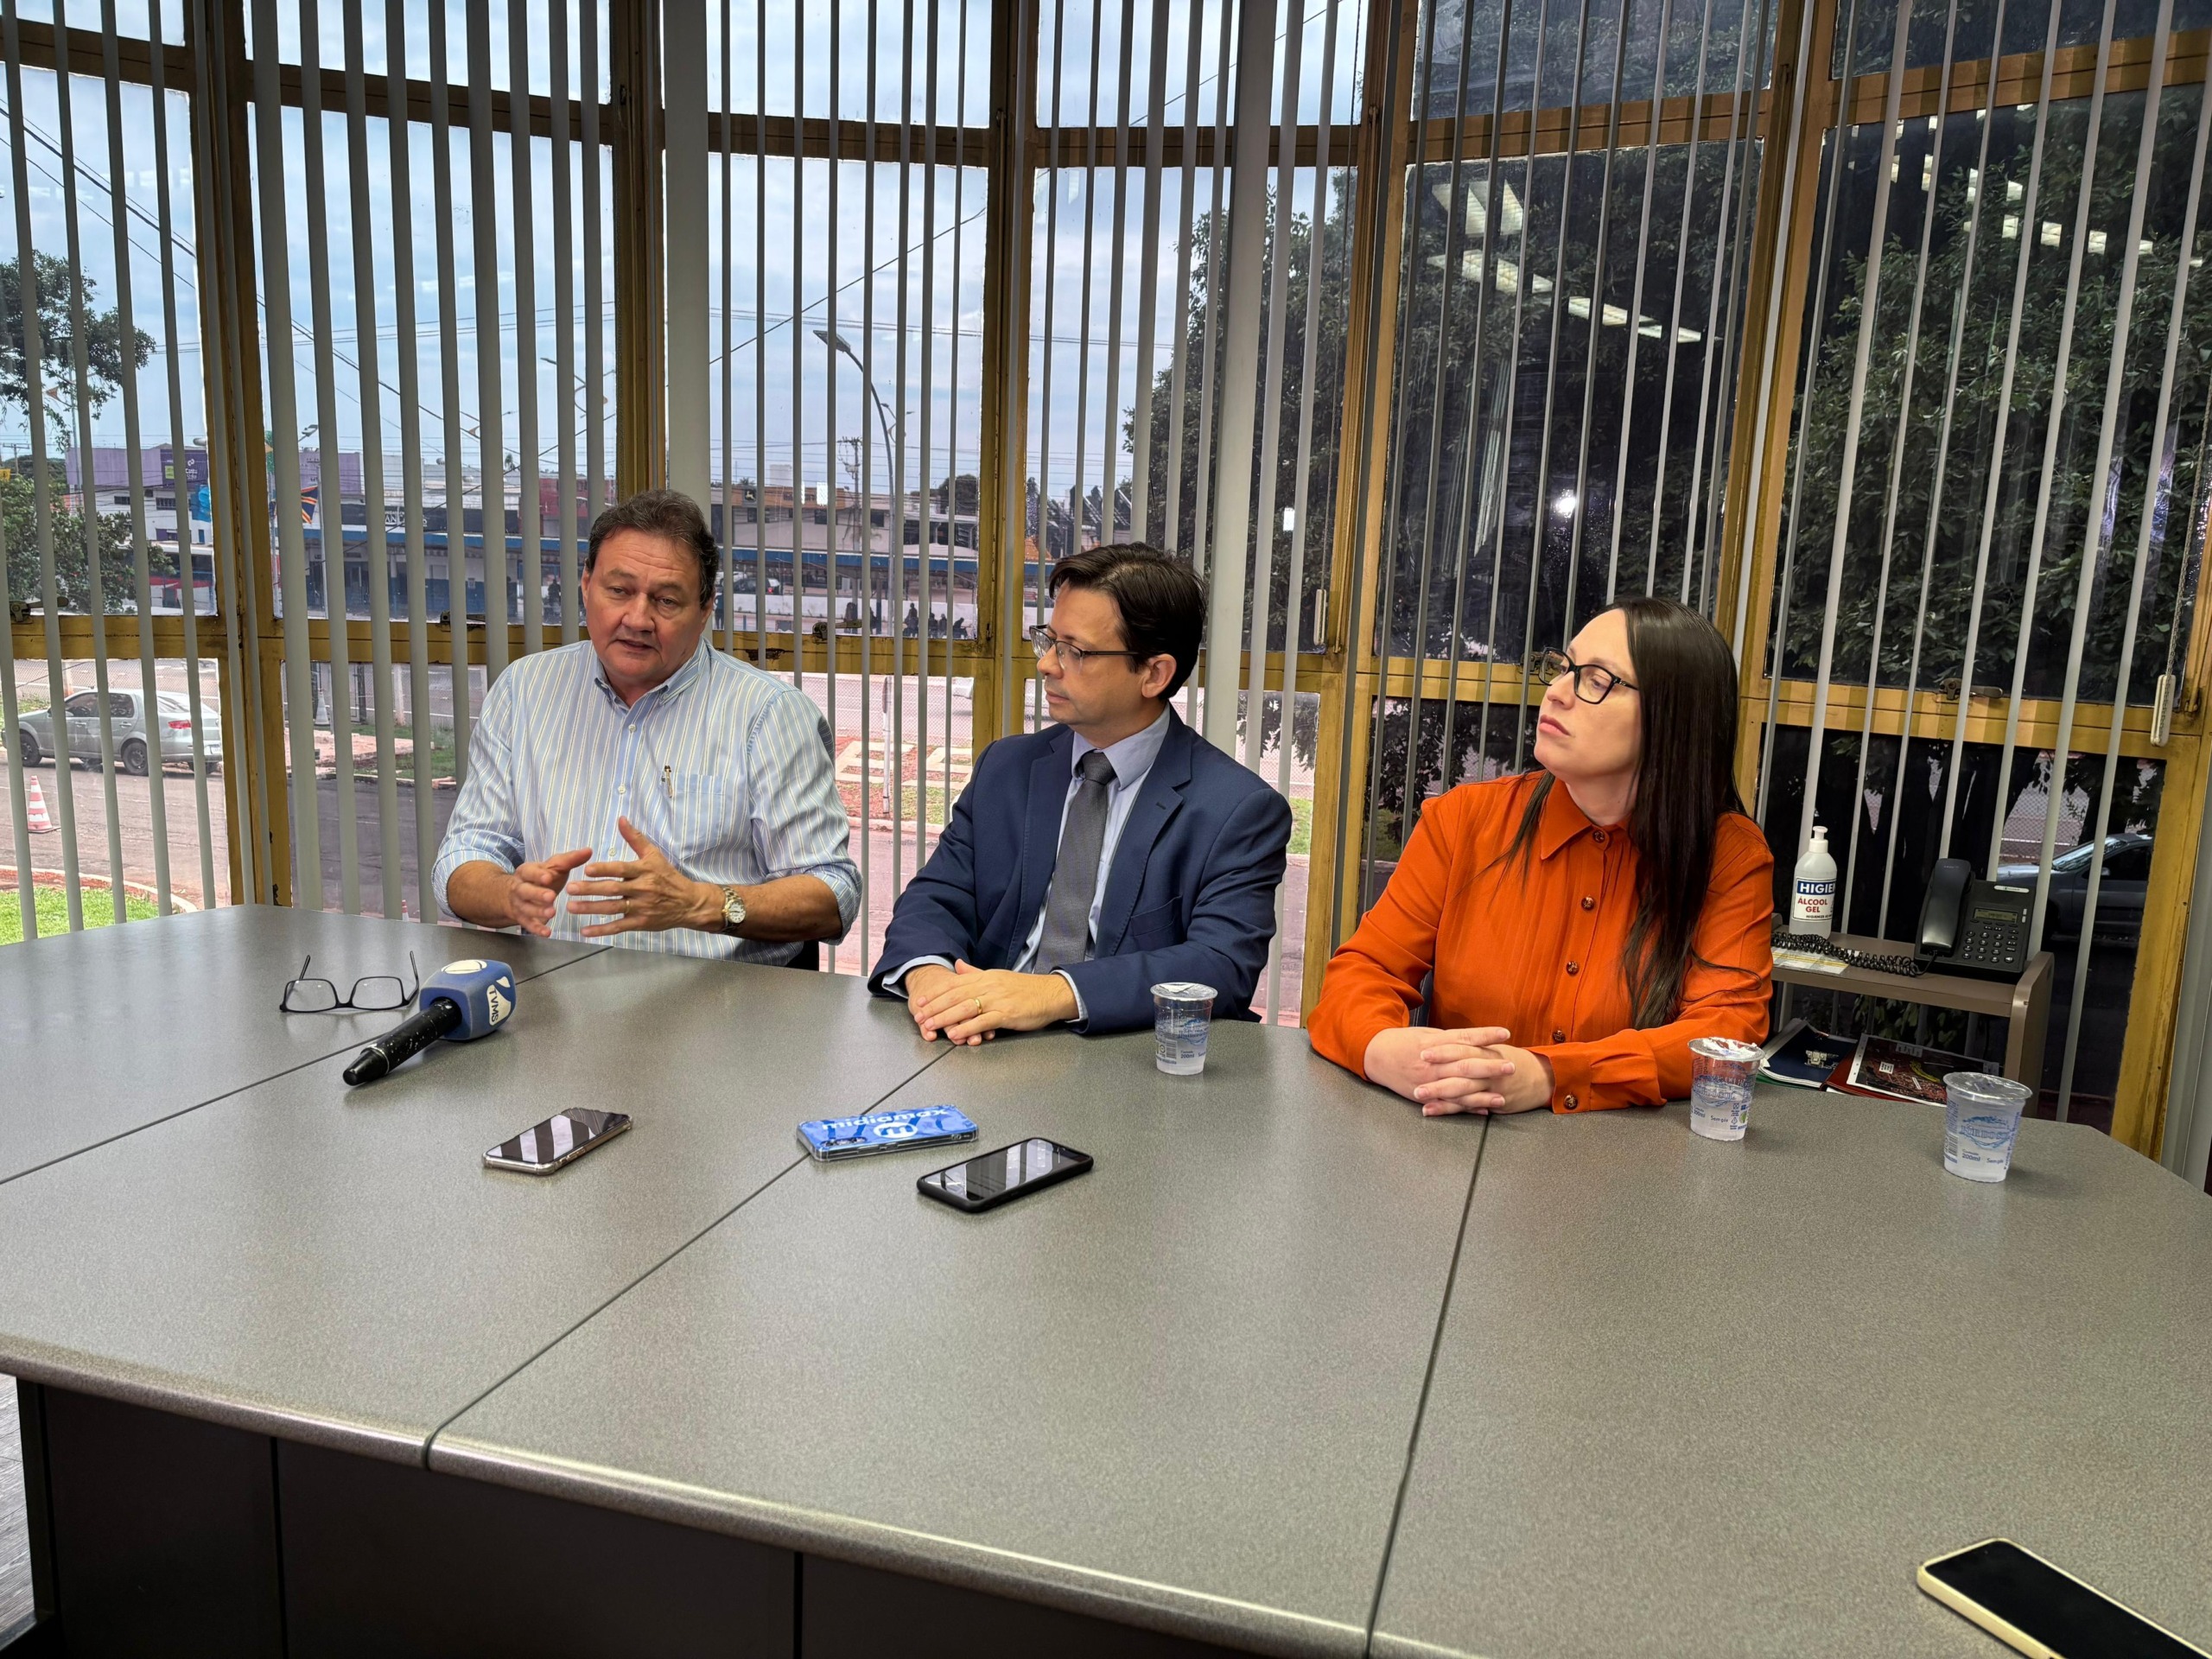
<point x="1102" y="855"/>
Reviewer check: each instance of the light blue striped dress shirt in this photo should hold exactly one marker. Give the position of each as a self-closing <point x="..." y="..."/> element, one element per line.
<point x="726" y="769"/>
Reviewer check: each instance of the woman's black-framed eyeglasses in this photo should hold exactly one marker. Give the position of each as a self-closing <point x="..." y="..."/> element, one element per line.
<point x="1591" y="683"/>
<point x="1043" y="639"/>
<point x="374" y="993"/>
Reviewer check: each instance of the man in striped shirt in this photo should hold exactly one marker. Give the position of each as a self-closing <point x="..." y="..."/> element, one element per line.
<point x="693" y="793"/>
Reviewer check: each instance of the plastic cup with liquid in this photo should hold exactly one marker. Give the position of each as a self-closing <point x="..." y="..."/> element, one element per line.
<point x="1181" y="1012"/>
<point x="1982" y="1121"/>
<point x="1722" y="1072"/>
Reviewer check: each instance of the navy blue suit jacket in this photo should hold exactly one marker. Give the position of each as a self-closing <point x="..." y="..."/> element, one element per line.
<point x="1191" y="895"/>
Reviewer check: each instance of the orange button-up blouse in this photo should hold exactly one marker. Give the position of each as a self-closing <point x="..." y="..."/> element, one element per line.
<point x="1538" y="947"/>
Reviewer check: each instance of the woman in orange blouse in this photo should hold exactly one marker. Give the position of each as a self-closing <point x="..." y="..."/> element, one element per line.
<point x="1585" y="920"/>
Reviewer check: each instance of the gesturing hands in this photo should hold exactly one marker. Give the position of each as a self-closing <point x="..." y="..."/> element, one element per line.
<point x="534" y="889"/>
<point x="967" y="1004"/>
<point x="646" y="895"/>
<point x="1472" y="1069"/>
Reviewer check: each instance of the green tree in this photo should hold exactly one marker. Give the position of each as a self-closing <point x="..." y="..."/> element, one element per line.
<point x="1953" y="531"/>
<point x="2083" y="515"/>
<point x="73" y="583"/>
<point x="111" y="352"/>
<point x="1476" y="551"/>
<point x="1294" y="261"/>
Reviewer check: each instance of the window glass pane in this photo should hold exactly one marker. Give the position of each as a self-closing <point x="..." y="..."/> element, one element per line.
<point x="134" y="19"/>
<point x="1508" y="512"/>
<point x="1470" y="742"/>
<point x="1945" y="532"/>
<point x="1721" y="38"/>
<point x="534" y="17"/>
<point x="199" y="871"/>
<point x="1083" y="45"/>
<point x="786" y="49"/>
<point x="2026" y="26"/>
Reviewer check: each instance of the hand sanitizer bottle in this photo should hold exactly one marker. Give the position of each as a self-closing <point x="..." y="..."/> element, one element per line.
<point x="1812" y="891"/>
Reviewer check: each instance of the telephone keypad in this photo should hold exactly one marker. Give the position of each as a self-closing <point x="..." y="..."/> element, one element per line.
<point x="1992" y="943"/>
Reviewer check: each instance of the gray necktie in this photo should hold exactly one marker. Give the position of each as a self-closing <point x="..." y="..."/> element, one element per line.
<point x="1066" y="938"/>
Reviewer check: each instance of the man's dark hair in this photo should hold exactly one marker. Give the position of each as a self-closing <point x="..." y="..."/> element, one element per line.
<point x="670" y="514"/>
<point x="1163" y="607"/>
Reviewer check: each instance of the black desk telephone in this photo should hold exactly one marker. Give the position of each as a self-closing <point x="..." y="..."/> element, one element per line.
<point x="1966" y="927"/>
<point x="1969" y="926"/>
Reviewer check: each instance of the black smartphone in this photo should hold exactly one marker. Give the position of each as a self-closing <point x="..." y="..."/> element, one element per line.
<point x="990" y="1178"/>
<point x="562" y="1138"/>
<point x="2029" y="1604"/>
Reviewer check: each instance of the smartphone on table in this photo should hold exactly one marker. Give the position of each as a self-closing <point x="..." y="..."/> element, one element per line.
<point x="2034" y="1607"/>
<point x="561" y="1139"/>
<point x="991" y="1178"/>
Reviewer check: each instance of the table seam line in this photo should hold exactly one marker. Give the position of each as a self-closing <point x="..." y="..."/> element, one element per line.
<point x="1420" y="1406"/>
<point x="431" y="1439"/>
<point x="229" y="1094"/>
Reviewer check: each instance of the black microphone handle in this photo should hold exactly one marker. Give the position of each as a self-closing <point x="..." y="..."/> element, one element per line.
<point x="405" y="1040"/>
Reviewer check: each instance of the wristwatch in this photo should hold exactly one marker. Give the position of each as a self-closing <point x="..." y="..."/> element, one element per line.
<point x="733" y="911"/>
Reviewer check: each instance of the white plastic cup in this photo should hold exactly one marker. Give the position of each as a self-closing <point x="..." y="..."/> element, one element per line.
<point x="1722" y="1072"/>
<point x="1182" y="1010"/>
<point x="1982" y="1121"/>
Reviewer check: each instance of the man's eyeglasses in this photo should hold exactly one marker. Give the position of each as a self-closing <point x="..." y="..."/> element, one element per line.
<point x="1043" y="639"/>
<point x="1591" y="683"/>
<point x="372" y="995"/>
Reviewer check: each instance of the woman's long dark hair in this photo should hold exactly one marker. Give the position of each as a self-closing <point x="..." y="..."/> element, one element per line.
<point x="1684" y="783"/>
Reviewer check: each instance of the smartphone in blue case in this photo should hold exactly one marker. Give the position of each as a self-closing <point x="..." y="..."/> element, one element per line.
<point x="831" y="1138"/>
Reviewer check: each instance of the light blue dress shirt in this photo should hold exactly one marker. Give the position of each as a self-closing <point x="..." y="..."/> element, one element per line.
<point x="1133" y="758"/>
<point x="726" y="769"/>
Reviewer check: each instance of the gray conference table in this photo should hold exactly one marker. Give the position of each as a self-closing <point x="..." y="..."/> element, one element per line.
<point x="1174" y="1394"/>
<point x="1292" y="1371"/>
<point x="1722" y="1400"/>
<point x="301" y="1266"/>
<point x="104" y="1032"/>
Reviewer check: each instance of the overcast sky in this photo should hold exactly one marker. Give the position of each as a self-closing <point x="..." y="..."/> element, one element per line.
<point x="783" y="232"/>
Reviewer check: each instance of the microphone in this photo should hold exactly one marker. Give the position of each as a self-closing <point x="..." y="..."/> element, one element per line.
<point x="461" y="1002"/>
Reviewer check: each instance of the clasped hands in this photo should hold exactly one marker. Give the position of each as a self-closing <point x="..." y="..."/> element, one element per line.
<point x="646" y="895"/>
<point x="1470" y="1069"/>
<point x="967" y="1004"/>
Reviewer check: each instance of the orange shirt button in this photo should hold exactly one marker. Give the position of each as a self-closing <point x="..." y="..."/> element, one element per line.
<point x="1573" y="966"/>
<point x="1558" y="1035"/>
<point x="1589" y="904"/>
<point x="1569" y="1103"/>
<point x="1600" y="837"/>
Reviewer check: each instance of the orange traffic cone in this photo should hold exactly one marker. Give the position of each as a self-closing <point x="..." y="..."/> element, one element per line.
<point x="40" y="824"/>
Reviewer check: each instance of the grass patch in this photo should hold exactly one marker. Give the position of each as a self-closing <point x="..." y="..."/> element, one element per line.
<point x="939" y="805"/>
<point x="53" y="910"/>
<point x="441" y="752"/>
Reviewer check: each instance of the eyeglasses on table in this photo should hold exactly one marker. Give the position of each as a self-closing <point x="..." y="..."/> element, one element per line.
<point x="372" y="994"/>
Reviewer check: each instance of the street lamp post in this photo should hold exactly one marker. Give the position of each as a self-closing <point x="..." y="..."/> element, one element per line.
<point x="839" y="343"/>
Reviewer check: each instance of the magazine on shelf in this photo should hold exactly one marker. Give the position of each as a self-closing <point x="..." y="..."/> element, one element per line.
<point x="1888" y="1070"/>
<point x="1803" y="1056"/>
